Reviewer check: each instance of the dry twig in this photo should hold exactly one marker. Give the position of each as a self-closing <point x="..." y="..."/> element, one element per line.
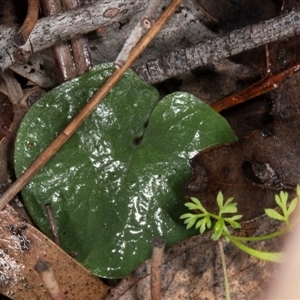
<point x="144" y="24"/>
<point x="65" y="67"/>
<point x="21" y="37"/>
<point x="52" y="222"/>
<point x="268" y="83"/>
<point x="156" y="265"/>
<point x="80" y="45"/>
<point x="88" y="108"/>
<point x="178" y="62"/>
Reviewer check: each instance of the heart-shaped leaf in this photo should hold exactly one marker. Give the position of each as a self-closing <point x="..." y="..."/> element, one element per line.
<point x="117" y="182"/>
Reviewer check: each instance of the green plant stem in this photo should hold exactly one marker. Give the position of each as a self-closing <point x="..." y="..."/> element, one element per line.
<point x="226" y="282"/>
<point x="260" y="238"/>
<point x="269" y="256"/>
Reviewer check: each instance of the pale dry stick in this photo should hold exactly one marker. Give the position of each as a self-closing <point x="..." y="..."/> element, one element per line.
<point x="178" y="62"/>
<point x="88" y="108"/>
<point x="52" y="222"/>
<point x="61" y="52"/>
<point x="145" y="23"/>
<point x="49" y="281"/>
<point x="156" y="266"/>
<point x="21" y="37"/>
<point x="80" y="45"/>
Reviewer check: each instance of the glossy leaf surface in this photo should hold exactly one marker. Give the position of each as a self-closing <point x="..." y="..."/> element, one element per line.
<point x="117" y="182"/>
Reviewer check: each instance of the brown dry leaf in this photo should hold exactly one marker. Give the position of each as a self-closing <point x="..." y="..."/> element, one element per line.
<point x="193" y="270"/>
<point x="21" y="245"/>
<point x="13" y="87"/>
<point x="250" y="170"/>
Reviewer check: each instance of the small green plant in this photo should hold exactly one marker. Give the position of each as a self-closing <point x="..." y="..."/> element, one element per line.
<point x="203" y="220"/>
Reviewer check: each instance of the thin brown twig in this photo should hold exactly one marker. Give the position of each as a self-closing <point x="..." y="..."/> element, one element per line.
<point x="52" y="222"/>
<point x="80" y="45"/>
<point x="21" y="37"/>
<point x="49" y="281"/>
<point x="156" y="266"/>
<point x="61" y="52"/>
<point x="266" y="84"/>
<point x="81" y="54"/>
<point x="64" y="64"/>
<point x="88" y="108"/>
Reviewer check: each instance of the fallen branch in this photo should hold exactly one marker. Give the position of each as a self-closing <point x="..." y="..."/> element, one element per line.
<point x="88" y="108"/>
<point x="178" y="62"/>
<point x="51" y="30"/>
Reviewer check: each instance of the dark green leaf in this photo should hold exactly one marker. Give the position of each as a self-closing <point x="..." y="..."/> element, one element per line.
<point x="116" y="184"/>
